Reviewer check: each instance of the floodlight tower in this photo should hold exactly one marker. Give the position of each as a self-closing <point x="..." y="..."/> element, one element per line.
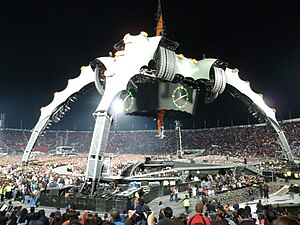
<point x="178" y="138"/>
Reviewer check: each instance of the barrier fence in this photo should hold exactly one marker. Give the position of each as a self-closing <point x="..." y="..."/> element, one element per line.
<point x="81" y="202"/>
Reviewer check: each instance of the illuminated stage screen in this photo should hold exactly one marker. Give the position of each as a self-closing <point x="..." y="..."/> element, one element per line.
<point x="178" y="100"/>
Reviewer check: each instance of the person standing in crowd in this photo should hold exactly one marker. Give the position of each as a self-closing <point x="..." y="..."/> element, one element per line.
<point x="244" y="217"/>
<point x="176" y="194"/>
<point x="171" y="194"/>
<point x="71" y="216"/>
<point x="35" y="220"/>
<point x="140" y="210"/>
<point x="266" y="191"/>
<point x="168" y="214"/>
<point x="8" y="189"/>
<point x="23" y="217"/>
<point x="115" y="217"/>
<point x="236" y="206"/>
<point x="89" y="219"/>
<point x="12" y="219"/>
<point x="223" y="219"/>
<point x="2" y="192"/>
<point x="3" y="218"/>
<point x="198" y="217"/>
<point x="291" y="191"/>
<point x="186" y="203"/>
<point x="160" y="205"/>
<point x="26" y="195"/>
<point x="123" y="216"/>
<point x="261" y="191"/>
<point x="43" y="217"/>
<point x="259" y="206"/>
<point x="251" y="194"/>
<point x="32" y="202"/>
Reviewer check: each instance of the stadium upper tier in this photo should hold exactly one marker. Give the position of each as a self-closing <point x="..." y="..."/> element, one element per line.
<point x="240" y="141"/>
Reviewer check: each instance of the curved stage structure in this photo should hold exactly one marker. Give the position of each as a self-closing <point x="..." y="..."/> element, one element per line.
<point x="139" y="61"/>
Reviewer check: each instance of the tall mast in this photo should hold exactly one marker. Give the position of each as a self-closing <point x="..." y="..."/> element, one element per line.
<point x="159" y="30"/>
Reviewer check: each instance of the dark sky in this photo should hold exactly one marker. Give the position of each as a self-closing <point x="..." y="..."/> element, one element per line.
<point x="44" y="43"/>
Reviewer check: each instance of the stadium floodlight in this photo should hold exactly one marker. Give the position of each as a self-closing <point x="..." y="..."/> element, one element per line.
<point x="118" y="106"/>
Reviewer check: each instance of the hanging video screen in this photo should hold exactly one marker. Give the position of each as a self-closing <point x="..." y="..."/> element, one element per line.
<point x="147" y="99"/>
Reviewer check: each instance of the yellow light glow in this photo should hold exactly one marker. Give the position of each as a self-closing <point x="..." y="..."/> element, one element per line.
<point x="181" y="56"/>
<point x="144" y="33"/>
<point x="81" y="68"/>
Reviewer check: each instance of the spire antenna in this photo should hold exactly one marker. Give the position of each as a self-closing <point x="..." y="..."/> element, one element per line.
<point x="159" y="30"/>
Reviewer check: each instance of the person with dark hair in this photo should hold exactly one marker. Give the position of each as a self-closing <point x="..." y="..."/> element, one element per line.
<point x="168" y="213"/>
<point x="98" y="219"/>
<point x="57" y="211"/>
<point x="236" y="206"/>
<point x="183" y="218"/>
<point x="161" y="215"/>
<point x="160" y="205"/>
<point x="211" y="206"/>
<point x="22" y="218"/>
<point x="198" y="217"/>
<point x="248" y="209"/>
<point x="224" y="218"/>
<point x="286" y="220"/>
<point x="89" y="219"/>
<point x="43" y="217"/>
<point x="35" y="219"/>
<point x="123" y="216"/>
<point x="186" y="203"/>
<point x="142" y="210"/>
<point x="260" y="188"/>
<point x="115" y="217"/>
<point x="244" y="217"/>
<point x="71" y="216"/>
<point x="229" y="218"/>
<point x="30" y="214"/>
<point x="251" y="194"/>
<point x="259" y="206"/>
<point x="12" y="220"/>
<point x="3" y="218"/>
<point x="271" y="214"/>
<point x="292" y="191"/>
<point x="105" y="217"/>
<point x="266" y="191"/>
<point x="56" y="220"/>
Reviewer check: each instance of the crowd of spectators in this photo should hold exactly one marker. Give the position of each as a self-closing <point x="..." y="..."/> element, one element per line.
<point x="206" y="213"/>
<point x="26" y="184"/>
<point x="248" y="141"/>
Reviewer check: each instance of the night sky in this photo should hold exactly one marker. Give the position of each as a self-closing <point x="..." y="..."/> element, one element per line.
<point x="44" y="43"/>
